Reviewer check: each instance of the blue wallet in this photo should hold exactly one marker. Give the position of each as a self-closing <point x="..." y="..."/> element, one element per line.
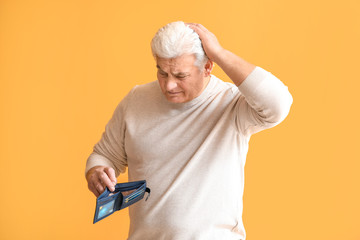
<point x="123" y="196"/>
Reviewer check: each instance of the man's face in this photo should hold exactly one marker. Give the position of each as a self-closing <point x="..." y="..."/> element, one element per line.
<point x="180" y="80"/>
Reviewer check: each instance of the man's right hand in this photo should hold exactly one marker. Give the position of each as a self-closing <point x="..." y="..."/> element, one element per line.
<point x="100" y="177"/>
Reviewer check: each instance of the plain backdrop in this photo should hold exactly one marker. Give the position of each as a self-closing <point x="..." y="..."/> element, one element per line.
<point x="65" y="65"/>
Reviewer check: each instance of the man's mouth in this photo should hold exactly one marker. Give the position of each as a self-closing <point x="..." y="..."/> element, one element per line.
<point x="173" y="93"/>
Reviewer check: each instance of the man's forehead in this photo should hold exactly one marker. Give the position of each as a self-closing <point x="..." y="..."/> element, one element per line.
<point x="175" y="71"/>
<point x="182" y="63"/>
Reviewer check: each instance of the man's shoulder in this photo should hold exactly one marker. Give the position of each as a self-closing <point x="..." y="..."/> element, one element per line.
<point x="223" y="86"/>
<point x="146" y="87"/>
<point x="144" y="92"/>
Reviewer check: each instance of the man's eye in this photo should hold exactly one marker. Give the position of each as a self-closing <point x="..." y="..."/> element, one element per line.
<point x="181" y="77"/>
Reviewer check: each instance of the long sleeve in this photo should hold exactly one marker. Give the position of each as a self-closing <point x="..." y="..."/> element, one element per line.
<point x="264" y="103"/>
<point x="186" y="150"/>
<point x="110" y="151"/>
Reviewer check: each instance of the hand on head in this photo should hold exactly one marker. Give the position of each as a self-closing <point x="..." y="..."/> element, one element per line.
<point x="209" y="41"/>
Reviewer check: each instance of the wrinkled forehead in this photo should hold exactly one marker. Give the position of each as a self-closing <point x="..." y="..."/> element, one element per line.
<point x="184" y="62"/>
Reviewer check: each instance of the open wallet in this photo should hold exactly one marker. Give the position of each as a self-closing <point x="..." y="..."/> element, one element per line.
<point x="124" y="195"/>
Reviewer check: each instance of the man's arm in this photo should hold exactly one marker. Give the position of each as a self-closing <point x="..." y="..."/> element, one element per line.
<point x="265" y="100"/>
<point x="109" y="158"/>
<point x="235" y="67"/>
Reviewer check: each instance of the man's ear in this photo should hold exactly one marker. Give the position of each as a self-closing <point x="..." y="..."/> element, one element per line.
<point x="208" y="68"/>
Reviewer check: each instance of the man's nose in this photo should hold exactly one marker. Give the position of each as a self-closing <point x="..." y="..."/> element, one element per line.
<point x="171" y="84"/>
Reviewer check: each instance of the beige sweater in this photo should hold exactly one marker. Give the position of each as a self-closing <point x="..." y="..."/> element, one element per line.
<point x="191" y="154"/>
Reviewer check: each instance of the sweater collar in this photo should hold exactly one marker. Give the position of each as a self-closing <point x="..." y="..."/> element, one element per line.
<point x="204" y="94"/>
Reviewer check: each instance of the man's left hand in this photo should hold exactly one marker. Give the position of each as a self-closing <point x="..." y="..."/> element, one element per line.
<point x="209" y="41"/>
<point x="235" y="67"/>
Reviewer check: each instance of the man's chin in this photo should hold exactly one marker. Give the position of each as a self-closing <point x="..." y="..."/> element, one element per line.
<point x="176" y="99"/>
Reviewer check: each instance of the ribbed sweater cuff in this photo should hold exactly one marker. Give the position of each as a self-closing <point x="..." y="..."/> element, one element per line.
<point x="98" y="160"/>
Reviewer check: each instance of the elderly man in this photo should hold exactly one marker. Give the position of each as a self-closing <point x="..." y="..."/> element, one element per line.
<point x="187" y="134"/>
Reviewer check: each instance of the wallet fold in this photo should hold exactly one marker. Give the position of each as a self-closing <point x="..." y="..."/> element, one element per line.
<point x="124" y="195"/>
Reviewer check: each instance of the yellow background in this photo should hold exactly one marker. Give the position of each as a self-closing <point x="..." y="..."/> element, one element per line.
<point x="65" y="65"/>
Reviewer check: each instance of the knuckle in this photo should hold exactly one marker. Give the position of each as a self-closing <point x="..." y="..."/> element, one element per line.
<point x="102" y="176"/>
<point x="99" y="187"/>
<point x="92" y="177"/>
<point x="92" y="189"/>
<point x="109" y="170"/>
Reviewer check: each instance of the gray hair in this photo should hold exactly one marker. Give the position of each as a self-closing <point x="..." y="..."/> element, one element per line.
<point x="176" y="39"/>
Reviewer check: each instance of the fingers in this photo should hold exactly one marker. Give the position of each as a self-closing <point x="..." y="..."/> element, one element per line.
<point x="105" y="180"/>
<point x="198" y="28"/>
<point x="95" y="188"/>
<point x="205" y="35"/>
<point x="99" y="178"/>
<point x="209" y="41"/>
<point x="196" y="25"/>
<point x="111" y="174"/>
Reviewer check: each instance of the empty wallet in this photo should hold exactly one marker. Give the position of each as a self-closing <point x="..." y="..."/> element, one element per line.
<point x="124" y="195"/>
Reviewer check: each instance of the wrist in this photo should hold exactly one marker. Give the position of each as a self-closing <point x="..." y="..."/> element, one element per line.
<point x="221" y="56"/>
